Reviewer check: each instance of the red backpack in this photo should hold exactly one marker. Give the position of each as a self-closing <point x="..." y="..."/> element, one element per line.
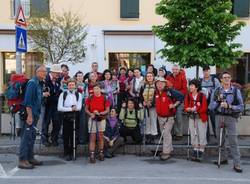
<point x="15" y="91"/>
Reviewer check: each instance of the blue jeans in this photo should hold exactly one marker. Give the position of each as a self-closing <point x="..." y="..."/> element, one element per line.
<point x="28" y="138"/>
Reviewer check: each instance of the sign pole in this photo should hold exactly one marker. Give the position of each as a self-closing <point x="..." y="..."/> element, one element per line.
<point x="21" y="37"/>
<point x="18" y="62"/>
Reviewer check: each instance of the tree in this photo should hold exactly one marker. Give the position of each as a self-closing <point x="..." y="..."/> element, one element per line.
<point x="198" y="33"/>
<point x="60" y="38"/>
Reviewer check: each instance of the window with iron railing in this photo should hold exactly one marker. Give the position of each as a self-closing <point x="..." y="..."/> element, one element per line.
<point x="25" y="5"/>
<point x="31" y="8"/>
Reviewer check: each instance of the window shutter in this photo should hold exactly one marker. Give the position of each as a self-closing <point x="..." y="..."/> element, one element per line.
<point x="129" y="8"/>
<point x="39" y="8"/>
<point x="241" y="8"/>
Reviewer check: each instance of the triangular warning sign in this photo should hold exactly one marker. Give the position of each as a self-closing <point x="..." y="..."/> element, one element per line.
<point x="21" y="43"/>
<point x="20" y="18"/>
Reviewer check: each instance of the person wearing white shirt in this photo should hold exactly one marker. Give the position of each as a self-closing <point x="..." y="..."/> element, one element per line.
<point x="70" y="103"/>
<point x="136" y="85"/>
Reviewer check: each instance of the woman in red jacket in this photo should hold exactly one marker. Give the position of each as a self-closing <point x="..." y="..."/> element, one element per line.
<point x="195" y="105"/>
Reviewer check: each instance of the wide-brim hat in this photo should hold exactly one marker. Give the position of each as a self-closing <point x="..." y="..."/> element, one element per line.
<point x="160" y="79"/>
<point x="56" y="68"/>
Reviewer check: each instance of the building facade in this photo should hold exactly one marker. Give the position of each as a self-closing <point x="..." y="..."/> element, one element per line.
<point x="119" y="31"/>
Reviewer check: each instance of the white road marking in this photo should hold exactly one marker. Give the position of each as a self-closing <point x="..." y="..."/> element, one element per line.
<point x="131" y="178"/>
<point x="2" y="172"/>
<point x="12" y="172"/>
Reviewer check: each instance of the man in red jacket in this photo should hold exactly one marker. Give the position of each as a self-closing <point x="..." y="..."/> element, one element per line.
<point x="179" y="82"/>
<point x="166" y="101"/>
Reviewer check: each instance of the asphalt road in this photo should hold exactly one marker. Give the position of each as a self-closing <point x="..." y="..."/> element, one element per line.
<point x="122" y="169"/>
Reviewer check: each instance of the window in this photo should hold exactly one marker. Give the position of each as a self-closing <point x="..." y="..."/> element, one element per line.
<point x="25" y="4"/>
<point x="241" y="8"/>
<point x="34" y="8"/>
<point x="40" y="8"/>
<point x="129" y="8"/>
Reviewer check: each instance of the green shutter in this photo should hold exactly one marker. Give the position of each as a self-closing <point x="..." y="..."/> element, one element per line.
<point x="39" y="8"/>
<point x="241" y="8"/>
<point x="129" y="8"/>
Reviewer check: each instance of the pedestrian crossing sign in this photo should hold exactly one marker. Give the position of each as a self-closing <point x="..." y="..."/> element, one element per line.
<point x="21" y="39"/>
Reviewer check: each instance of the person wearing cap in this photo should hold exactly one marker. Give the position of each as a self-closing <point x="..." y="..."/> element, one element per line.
<point x="209" y="84"/>
<point x="166" y="101"/>
<point x="51" y="114"/>
<point x="70" y="104"/>
<point x="32" y="103"/>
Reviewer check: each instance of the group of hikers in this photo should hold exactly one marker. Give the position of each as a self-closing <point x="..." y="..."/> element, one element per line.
<point x="106" y="109"/>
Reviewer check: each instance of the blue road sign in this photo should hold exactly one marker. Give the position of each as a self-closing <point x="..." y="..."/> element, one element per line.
<point x="21" y="39"/>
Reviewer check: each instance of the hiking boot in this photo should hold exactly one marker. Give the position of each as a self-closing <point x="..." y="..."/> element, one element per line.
<point x="107" y="154"/>
<point x="55" y="143"/>
<point x="24" y="164"/>
<point x="194" y="155"/>
<point x="200" y="156"/>
<point x="46" y="143"/>
<point x="68" y="157"/>
<point x="101" y="155"/>
<point x="35" y="162"/>
<point x="165" y="156"/>
<point x="92" y="157"/>
<point x="238" y="169"/>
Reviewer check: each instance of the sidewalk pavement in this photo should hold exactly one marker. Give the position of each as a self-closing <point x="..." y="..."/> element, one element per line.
<point x="8" y="145"/>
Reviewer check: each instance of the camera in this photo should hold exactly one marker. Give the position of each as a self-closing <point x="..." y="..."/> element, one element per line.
<point x="220" y="97"/>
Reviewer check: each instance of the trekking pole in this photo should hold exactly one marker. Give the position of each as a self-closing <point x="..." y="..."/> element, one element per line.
<point x="188" y="143"/>
<point x="74" y="136"/>
<point x="14" y="126"/>
<point x="157" y="148"/>
<point x="220" y="143"/>
<point x="144" y="132"/>
<point x="196" y="131"/>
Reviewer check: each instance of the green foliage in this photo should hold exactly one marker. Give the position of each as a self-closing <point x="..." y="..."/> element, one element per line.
<point x="197" y="32"/>
<point x="61" y="38"/>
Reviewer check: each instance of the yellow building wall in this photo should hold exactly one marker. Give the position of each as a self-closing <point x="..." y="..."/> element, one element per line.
<point x="107" y="12"/>
<point x="5" y="12"/>
<point x="96" y="12"/>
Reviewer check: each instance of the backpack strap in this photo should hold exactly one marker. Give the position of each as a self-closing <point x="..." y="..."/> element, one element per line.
<point x="126" y="114"/>
<point x="213" y="81"/>
<point x="65" y="93"/>
<point x="77" y="95"/>
<point x="235" y="100"/>
<point x="64" y="96"/>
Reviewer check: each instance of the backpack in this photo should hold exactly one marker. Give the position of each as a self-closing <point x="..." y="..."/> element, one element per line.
<point x="16" y="91"/>
<point x="235" y="100"/>
<point x="65" y="93"/>
<point x="213" y="81"/>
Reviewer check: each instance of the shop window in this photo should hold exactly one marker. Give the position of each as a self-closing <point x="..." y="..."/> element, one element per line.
<point x="129" y="60"/>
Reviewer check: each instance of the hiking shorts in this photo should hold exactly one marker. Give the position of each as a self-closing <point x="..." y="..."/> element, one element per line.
<point x="95" y="126"/>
